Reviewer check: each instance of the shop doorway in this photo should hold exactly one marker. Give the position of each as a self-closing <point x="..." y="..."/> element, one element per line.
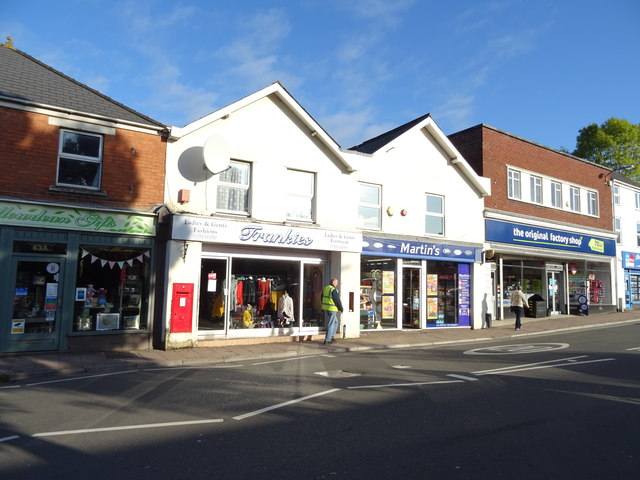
<point x="213" y="294"/>
<point x="411" y="303"/>
<point x="34" y="323"/>
<point x="555" y="288"/>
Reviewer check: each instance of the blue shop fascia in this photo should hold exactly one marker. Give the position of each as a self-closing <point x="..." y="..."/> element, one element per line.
<point x="412" y="283"/>
<point x="561" y="271"/>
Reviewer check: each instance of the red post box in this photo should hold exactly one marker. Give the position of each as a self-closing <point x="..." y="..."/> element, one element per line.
<point x="181" y="308"/>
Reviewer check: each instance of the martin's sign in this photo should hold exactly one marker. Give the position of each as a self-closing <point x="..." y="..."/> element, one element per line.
<point x="407" y="249"/>
<point x="210" y="230"/>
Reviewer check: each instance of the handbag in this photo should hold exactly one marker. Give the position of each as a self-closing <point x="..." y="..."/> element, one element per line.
<point x="512" y="309"/>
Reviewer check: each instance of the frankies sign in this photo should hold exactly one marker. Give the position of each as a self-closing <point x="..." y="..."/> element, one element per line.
<point x="211" y="230"/>
<point x="531" y="236"/>
<point x="406" y="249"/>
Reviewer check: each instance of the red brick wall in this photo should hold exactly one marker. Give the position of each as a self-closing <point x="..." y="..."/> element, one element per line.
<point x="28" y="157"/>
<point x="498" y="149"/>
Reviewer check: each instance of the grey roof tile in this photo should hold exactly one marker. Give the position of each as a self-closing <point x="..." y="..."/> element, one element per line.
<point x="25" y="79"/>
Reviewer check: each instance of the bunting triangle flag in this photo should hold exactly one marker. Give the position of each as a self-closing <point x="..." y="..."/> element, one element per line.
<point x="103" y="262"/>
<point x="94" y="258"/>
<point x="111" y="264"/>
<point x="139" y="257"/>
<point x="121" y="264"/>
<point x="84" y="253"/>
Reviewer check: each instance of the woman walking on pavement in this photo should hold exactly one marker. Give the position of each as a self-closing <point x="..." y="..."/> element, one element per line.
<point x="518" y="302"/>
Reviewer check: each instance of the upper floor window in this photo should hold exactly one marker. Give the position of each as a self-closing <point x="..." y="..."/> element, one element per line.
<point x="638" y="233"/>
<point x="574" y="199"/>
<point x="536" y="189"/>
<point x="617" y="226"/>
<point x="616" y="195"/>
<point x="592" y="203"/>
<point x="513" y="184"/>
<point x="233" y="188"/>
<point x="300" y="195"/>
<point x="638" y="200"/>
<point x="556" y="194"/>
<point x="369" y="208"/>
<point x="434" y="218"/>
<point x="79" y="159"/>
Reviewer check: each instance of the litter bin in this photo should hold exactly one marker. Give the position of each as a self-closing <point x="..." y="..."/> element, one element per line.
<point x="537" y="306"/>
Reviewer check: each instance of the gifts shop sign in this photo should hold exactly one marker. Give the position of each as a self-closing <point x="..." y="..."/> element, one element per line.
<point x="530" y="236"/>
<point x="210" y="230"/>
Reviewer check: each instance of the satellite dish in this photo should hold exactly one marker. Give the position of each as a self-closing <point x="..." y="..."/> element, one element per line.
<point x="216" y="154"/>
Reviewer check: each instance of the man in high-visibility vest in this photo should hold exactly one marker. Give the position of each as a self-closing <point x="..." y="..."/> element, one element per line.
<point x="332" y="305"/>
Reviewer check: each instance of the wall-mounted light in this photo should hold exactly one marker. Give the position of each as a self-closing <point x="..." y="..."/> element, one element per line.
<point x="133" y="151"/>
<point x="403" y="212"/>
<point x="390" y="211"/>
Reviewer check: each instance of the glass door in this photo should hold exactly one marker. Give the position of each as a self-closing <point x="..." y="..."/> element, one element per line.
<point x="37" y="297"/>
<point x="556" y="292"/>
<point x="411" y="304"/>
<point x="213" y="294"/>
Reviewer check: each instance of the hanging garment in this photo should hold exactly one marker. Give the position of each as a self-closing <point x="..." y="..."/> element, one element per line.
<point x="285" y="308"/>
<point x="264" y="293"/>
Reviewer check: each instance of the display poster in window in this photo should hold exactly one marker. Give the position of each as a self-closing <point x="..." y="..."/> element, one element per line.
<point x="388" y="282"/>
<point x="464" y="295"/>
<point x="432" y="308"/>
<point x="388" y="307"/>
<point x="432" y="284"/>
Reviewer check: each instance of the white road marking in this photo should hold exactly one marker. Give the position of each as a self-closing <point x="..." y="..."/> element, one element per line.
<point x="191" y="368"/>
<point x="78" y="378"/>
<point x="462" y="377"/>
<point x="401" y="366"/>
<point x="570" y="362"/>
<point x="128" y="427"/>
<point x="10" y="386"/>
<point x="440" y="382"/>
<point x="284" y="404"/>
<point x="482" y="372"/>
<point x="283" y="360"/>
<point x="634" y="348"/>
<point x="6" y="439"/>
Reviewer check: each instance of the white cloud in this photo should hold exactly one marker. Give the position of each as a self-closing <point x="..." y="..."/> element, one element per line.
<point x="456" y="111"/>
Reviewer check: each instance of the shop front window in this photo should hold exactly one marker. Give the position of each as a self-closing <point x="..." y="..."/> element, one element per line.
<point x="112" y="289"/>
<point x="378" y="293"/>
<point x="448" y="294"/>
<point x="272" y="293"/>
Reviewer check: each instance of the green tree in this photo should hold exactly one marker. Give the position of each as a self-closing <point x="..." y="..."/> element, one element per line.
<point x="614" y="144"/>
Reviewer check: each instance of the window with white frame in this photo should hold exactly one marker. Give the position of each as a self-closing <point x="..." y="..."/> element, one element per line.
<point x="556" y="194"/>
<point x="536" y="189"/>
<point x="513" y="184"/>
<point x="233" y="188"/>
<point x="369" y="207"/>
<point x="300" y="195"/>
<point x="592" y="203"/>
<point x="80" y="159"/>
<point x="616" y="195"/>
<point x="637" y="200"/>
<point x="434" y="218"/>
<point x="638" y="233"/>
<point x="574" y="199"/>
<point x="617" y="226"/>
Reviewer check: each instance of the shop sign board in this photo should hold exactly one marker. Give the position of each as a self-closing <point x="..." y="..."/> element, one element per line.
<point x="631" y="260"/>
<point x="538" y="237"/>
<point x="407" y="249"/>
<point x="79" y="219"/>
<point x="210" y="230"/>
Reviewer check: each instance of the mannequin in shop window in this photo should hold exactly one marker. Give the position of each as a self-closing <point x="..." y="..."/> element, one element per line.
<point x="247" y="317"/>
<point x="285" y="310"/>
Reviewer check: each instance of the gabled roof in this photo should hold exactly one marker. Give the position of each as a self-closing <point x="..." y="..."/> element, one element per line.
<point x="27" y="81"/>
<point x="276" y="89"/>
<point x="374" y="144"/>
<point x="426" y="122"/>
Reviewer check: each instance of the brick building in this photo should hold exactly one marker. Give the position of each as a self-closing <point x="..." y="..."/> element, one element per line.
<point x="548" y="224"/>
<point x="83" y="176"/>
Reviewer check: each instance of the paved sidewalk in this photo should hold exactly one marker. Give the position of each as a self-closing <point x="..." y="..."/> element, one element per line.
<point x="29" y="366"/>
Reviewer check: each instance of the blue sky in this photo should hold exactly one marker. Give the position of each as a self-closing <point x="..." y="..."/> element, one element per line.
<point x="539" y="69"/>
